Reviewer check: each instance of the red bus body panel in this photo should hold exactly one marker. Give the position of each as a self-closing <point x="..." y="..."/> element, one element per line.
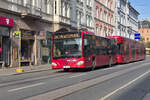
<point x="72" y="62"/>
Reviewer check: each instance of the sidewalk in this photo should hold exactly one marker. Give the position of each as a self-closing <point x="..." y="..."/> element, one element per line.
<point x="27" y="69"/>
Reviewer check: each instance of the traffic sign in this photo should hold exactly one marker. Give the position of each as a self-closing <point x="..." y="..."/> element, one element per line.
<point x="137" y="36"/>
<point x="16" y="34"/>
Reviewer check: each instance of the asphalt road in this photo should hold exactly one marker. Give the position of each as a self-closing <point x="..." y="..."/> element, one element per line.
<point x="120" y="82"/>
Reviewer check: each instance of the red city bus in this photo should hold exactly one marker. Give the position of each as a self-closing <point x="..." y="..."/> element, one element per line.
<point x="140" y="51"/>
<point x="81" y="49"/>
<point x="129" y="50"/>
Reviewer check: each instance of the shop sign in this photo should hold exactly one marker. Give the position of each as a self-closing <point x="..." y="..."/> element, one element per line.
<point x="42" y="35"/>
<point x="6" y="21"/>
<point x="27" y="36"/>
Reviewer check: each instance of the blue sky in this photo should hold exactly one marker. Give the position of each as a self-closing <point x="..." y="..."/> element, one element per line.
<point x="143" y="7"/>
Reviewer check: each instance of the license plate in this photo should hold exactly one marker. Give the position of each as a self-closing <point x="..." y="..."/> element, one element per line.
<point x="66" y="66"/>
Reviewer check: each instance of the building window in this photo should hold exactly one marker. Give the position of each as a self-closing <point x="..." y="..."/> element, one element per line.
<point x="90" y="21"/>
<point x="81" y="18"/>
<point x="15" y="1"/>
<point x="77" y="16"/>
<point x="87" y="2"/>
<point x="68" y="11"/>
<point x="46" y="4"/>
<point x="97" y="12"/>
<point x="87" y="20"/>
<point x="100" y="30"/>
<point x="108" y="4"/>
<point x="101" y="13"/>
<point x="96" y="29"/>
<point x="111" y="19"/>
<point x="105" y="15"/>
<point x="111" y="4"/>
<point x="22" y="2"/>
<point x="61" y="8"/>
<point x="55" y="7"/>
<point x="106" y="1"/>
<point x="38" y="4"/>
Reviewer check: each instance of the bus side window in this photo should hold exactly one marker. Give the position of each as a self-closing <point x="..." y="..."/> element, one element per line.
<point x="87" y="46"/>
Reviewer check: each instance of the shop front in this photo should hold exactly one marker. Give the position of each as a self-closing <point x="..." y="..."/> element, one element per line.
<point x="27" y="47"/>
<point x="45" y="45"/>
<point x="5" y="28"/>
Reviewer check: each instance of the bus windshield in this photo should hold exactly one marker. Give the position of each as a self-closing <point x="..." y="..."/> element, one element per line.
<point x="67" y="48"/>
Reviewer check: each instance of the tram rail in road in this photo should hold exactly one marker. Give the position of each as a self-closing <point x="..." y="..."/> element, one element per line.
<point x="82" y="85"/>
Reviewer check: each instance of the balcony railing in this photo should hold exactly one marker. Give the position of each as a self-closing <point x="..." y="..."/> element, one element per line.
<point x="65" y="20"/>
<point x="26" y="9"/>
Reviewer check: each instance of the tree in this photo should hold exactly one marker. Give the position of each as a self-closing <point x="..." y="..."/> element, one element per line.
<point x="142" y="39"/>
<point x="147" y="44"/>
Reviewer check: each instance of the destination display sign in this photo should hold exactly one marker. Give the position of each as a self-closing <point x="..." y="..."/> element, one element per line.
<point x="64" y="36"/>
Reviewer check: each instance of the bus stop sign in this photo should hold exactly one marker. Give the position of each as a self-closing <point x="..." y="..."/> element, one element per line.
<point x="137" y="36"/>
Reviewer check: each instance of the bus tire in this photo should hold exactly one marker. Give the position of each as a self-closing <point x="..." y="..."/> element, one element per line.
<point x="93" y="64"/>
<point x="110" y="62"/>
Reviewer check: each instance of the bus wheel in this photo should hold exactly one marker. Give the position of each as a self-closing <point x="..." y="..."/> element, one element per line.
<point x="66" y="69"/>
<point x="109" y="61"/>
<point x="93" y="64"/>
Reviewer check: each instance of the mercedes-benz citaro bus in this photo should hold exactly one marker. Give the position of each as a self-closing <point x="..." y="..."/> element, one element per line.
<point x="129" y="50"/>
<point x="81" y="49"/>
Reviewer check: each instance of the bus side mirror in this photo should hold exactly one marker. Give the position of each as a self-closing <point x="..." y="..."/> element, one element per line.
<point x="109" y="51"/>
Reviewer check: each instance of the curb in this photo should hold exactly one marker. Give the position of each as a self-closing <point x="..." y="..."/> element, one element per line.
<point x="32" y="69"/>
<point x="31" y="72"/>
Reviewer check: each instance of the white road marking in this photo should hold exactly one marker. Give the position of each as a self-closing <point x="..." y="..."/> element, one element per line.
<point x="29" y="86"/>
<point x="33" y="79"/>
<point x="58" y="93"/>
<point x="77" y="75"/>
<point x="124" y="86"/>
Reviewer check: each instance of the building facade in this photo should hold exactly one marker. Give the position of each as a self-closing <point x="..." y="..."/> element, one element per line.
<point x="104" y="17"/>
<point x="132" y="21"/>
<point x="73" y="14"/>
<point x="144" y="30"/>
<point x="126" y="19"/>
<point x="33" y="19"/>
<point x="85" y="14"/>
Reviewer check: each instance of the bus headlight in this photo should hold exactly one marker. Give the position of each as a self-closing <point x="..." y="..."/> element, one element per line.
<point x="80" y="63"/>
<point x="54" y="64"/>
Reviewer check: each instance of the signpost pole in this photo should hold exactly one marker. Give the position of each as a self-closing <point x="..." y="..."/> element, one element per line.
<point x="19" y="54"/>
